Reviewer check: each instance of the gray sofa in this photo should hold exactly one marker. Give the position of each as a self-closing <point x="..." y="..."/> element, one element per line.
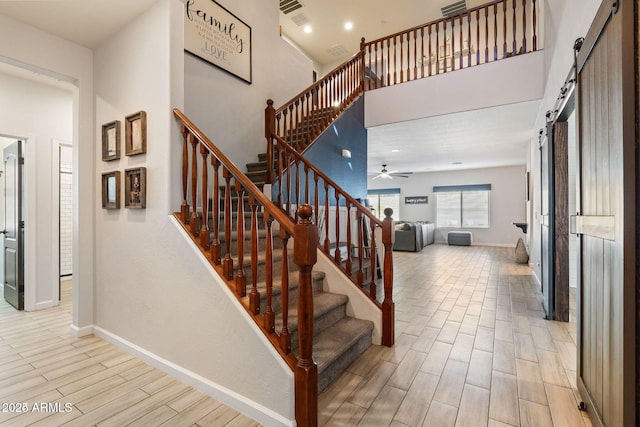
<point x="413" y="236"/>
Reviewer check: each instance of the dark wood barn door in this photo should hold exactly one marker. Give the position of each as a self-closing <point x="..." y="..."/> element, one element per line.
<point x="606" y="217"/>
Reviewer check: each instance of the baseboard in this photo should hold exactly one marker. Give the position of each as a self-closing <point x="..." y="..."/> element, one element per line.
<point x="80" y="332"/>
<point x="535" y="276"/>
<point x="228" y="397"/>
<point x="46" y="304"/>
<point x="496" y="245"/>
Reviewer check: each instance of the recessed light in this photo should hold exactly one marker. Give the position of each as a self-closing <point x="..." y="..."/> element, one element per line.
<point x="348" y="25"/>
<point x="395" y="151"/>
<point x="307" y="29"/>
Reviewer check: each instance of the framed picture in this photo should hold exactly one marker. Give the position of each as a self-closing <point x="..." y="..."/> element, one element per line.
<point x="111" y="190"/>
<point x="135" y="188"/>
<point x="111" y="141"/>
<point x="214" y="34"/>
<point x="135" y="132"/>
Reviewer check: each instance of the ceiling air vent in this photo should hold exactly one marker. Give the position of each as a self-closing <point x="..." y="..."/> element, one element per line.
<point x="454" y="8"/>
<point x="288" y="6"/>
<point x="300" y="19"/>
<point x="337" y="50"/>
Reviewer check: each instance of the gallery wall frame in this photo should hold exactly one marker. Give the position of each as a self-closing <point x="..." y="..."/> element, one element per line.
<point x="217" y="36"/>
<point x="111" y="190"/>
<point x="135" y="188"/>
<point x="111" y="141"/>
<point x="135" y="131"/>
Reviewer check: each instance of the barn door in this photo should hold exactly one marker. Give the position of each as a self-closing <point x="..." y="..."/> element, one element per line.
<point x="546" y="226"/>
<point x="606" y="217"/>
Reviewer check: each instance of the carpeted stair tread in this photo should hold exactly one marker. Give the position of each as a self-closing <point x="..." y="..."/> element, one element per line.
<point x="323" y="304"/>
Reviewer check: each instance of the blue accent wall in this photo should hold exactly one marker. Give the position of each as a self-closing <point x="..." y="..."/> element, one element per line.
<point x="346" y="133"/>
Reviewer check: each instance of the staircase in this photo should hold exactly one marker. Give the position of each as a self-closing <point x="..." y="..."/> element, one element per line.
<point x="338" y="339"/>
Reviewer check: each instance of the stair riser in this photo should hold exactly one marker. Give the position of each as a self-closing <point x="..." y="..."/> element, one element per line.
<point x="276" y="299"/>
<point x="321" y="324"/>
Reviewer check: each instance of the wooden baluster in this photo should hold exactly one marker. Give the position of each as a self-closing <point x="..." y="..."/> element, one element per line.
<point x="388" y="62"/>
<point x="437" y="47"/>
<point x="326" y="218"/>
<point x="308" y="128"/>
<point x="297" y="162"/>
<point x="468" y="39"/>
<point x="184" y="208"/>
<point x="515" y="47"/>
<point x="370" y="73"/>
<point x="430" y="53"/>
<point x="193" y="222"/>
<point x="269" y="314"/>
<point x="297" y="145"/>
<point x="306" y="184"/>
<point x="379" y="75"/>
<point x="415" y="55"/>
<point x="478" y="36"/>
<point x="401" y="60"/>
<point x="279" y="131"/>
<point x="524" y="26"/>
<point x="422" y="52"/>
<point x="336" y="255"/>
<point x="306" y="371"/>
<point x="204" y="228"/>
<point x="287" y="165"/>
<point x="395" y="57"/>
<point x="461" y="42"/>
<point x="453" y="44"/>
<point x="316" y="194"/>
<point x="215" y="244"/>
<point x="534" y="39"/>
<point x="241" y="280"/>
<point x="409" y="56"/>
<point x="446" y="63"/>
<point x="373" y="256"/>
<point x="254" y="295"/>
<point x="360" y="276"/>
<point x="316" y="111"/>
<point x="495" y="32"/>
<point x="280" y="157"/>
<point x="486" y="34"/>
<point x="269" y="131"/>
<point x="285" y="335"/>
<point x="504" y="29"/>
<point x="388" y="307"/>
<point x="227" y="262"/>
<point x="348" y="265"/>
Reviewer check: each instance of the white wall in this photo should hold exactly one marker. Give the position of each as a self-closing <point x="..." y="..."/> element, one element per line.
<point x="507" y="203"/>
<point x="504" y="82"/>
<point x="564" y="22"/>
<point x="231" y="111"/>
<point x="36" y="50"/>
<point x="38" y="114"/>
<point x="152" y="292"/>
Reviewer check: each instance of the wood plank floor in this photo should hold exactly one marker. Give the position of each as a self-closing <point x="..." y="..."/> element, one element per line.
<point x="472" y="348"/>
<point x="100" y="384"/>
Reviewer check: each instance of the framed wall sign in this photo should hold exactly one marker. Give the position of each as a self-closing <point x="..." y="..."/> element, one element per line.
<point x="135" y="188"/>
<point x="219" y="37"/>
<point x="111" y="190"/>
<point x="416" y="200"/>
<point x="135" y="133"/>
<point x="111" y="141"/>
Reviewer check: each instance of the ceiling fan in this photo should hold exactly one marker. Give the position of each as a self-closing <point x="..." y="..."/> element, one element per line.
<point x="384" y="173"/>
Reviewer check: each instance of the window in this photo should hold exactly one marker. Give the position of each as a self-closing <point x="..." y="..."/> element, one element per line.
<point x="462" y="206"/>
<point x="384" y="198"/>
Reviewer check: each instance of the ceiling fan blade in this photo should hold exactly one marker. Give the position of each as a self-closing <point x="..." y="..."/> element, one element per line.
<point x="376" y="177"/>
<point x="400" y="176"/>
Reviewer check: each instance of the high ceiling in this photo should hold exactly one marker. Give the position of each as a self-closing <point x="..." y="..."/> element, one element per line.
<point x="482" y="138"/>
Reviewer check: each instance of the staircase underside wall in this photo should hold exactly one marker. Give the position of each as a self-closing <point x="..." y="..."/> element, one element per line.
<point x="509" y="81"/>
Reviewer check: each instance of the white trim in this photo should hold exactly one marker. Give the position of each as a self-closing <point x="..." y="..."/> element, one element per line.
<point x="55" y="214"/>
<point x="77" y="332"/>
<point x="230" y="398"/>
<point x="535" y="276"/>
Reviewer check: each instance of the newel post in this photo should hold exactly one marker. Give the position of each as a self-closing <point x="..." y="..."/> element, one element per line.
<point x="306" y="371"/>
<point x="388" y="307"/>
<point x="269" y="131"/>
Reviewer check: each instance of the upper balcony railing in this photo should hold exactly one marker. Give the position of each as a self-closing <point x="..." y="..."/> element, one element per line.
<point x="487" y="33"/>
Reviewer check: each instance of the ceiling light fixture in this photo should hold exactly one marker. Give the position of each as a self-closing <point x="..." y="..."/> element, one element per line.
<point x="307" y="29"/>
<point x="348" y="25"/>
<point x="395" y="151"/>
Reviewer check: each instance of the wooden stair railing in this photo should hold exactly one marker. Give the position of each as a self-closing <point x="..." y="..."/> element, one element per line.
<point x="486" y="33"/>
<point x="196" y="213"/>
<point x="354" y="249"/>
